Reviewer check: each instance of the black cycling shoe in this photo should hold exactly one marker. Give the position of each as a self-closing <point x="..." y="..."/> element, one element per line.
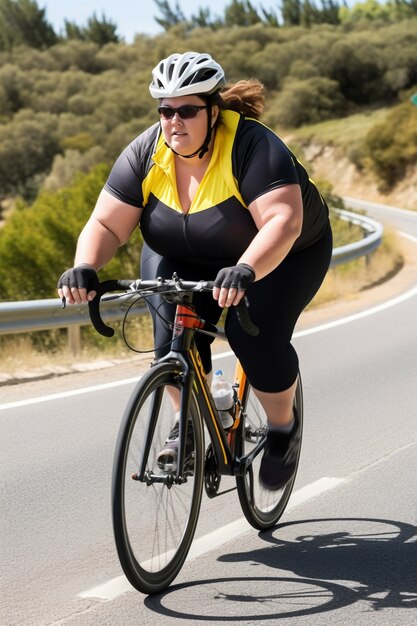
<point x="279" y="460"/>
<point x="167" y="458"/>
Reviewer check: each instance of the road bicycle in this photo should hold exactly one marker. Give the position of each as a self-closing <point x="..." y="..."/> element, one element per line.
<point x="155" y="509"/>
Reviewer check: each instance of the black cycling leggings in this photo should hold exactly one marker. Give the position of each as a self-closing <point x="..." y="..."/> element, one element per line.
<point x="276" y="301"/>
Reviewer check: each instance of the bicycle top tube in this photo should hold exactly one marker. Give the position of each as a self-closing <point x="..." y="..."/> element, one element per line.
<point x="172" y="289"/>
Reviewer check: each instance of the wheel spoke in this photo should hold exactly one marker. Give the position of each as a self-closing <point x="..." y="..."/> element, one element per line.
<point x="262" y="507"/>
<point x="154" y="517"/>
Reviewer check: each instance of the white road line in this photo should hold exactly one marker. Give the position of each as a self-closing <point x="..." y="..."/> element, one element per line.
<point x="357" y="316"/>
<point x="83" y="390"/>
<point x="120" y="585"/>
<point x="407" y="236"/>
<point x="362" y="204"/>
<point x="302" y="333"/>
<point x="67" y="394"/>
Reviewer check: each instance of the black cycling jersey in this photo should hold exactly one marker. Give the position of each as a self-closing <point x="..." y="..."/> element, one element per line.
<point x="248" y="160"/>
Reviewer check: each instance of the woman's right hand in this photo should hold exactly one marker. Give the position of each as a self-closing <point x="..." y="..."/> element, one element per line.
<point x="78" y="285"/>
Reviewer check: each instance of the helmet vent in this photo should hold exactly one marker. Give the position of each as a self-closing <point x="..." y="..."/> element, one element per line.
<point x="183" y="68"/>
<point x="190" y="73"/>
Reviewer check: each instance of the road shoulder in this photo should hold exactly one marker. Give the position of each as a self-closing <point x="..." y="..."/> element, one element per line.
<point x="403" y="280"/>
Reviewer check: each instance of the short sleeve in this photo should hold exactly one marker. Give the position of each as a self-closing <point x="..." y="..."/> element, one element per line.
<point x="262" y="162"/>
<point x="131" y="167"/>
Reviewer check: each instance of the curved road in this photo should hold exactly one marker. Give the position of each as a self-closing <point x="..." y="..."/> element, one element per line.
<point x="346" y="548"/>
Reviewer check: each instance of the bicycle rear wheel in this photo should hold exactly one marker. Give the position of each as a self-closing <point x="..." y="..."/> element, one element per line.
<point x="154" y="519"/>
<point x="262" y="507"/>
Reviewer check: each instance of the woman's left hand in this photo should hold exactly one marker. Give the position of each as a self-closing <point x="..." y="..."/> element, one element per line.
<point x="231" y="283"/>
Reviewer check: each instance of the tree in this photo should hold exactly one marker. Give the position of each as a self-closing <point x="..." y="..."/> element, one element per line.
<point x="73" y="31"/>
<point x="100" y="31"/>
<point x="307" y="12"/>
<point x="15" y="87"/>
<point x="202" y="19"/>
<point x="241" y="13"/>
<point x="23" y="22"/>
<point x="270" y="18"/>
<point x="291" y="12"/>
<point x="38" y="242"/>
<point x="170" y="17"/>
<point x="236" y="13"/>
<point x="27" y="148"/>
<point x="330" y="12"/>
<point x="308" y="101"/>
<point x="355" y="63"/>
<point x="372" y="10"/>
<point x="391" y="145"/>
<point x="244" y="13"/>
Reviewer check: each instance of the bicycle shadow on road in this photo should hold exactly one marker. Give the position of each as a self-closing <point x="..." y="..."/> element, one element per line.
<point x="335" y="561"/>
<point x="376" y="557"/>
<point x="248" y="599"/>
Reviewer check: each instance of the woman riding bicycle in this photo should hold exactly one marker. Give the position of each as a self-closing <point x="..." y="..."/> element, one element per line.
<point x="218" y="195"/>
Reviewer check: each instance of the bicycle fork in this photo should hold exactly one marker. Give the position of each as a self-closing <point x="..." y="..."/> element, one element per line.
<point x="144" y="474"/>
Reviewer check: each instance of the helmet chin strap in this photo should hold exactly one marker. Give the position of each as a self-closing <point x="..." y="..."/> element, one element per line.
<point x="201" y="151"/>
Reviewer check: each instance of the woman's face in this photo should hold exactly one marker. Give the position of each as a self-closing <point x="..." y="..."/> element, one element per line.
<point x="185" y="136"/>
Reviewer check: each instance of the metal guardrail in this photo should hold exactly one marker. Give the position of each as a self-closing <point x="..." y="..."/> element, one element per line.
<point x="33" y="315"/>
<point x="372" y="231"/>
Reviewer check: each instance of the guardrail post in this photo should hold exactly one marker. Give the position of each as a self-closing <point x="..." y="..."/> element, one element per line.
<point x="74" y="339"/>
<point x="33" y="315"/>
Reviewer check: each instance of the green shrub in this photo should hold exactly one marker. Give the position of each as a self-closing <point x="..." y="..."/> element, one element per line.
<point x="306" y="101"/>
<point x="391" y="145"/>
<point x="37" y="243"/>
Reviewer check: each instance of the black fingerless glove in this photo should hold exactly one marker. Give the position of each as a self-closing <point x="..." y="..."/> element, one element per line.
<point x="82" y="276"/>
<point x="239" y="276"/>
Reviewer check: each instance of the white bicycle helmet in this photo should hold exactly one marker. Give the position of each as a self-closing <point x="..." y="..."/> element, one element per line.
<point x="186" y="74"/>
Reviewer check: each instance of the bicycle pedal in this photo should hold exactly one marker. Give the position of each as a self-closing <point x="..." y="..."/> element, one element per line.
<point x="167" y="468"/>
<point x="169" y="465"/>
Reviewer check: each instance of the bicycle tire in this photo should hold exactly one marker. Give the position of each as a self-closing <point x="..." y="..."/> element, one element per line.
<point x="262" y="507"/>
<point x="154" y="522"/>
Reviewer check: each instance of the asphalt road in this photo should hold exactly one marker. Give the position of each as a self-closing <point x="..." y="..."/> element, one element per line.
<point x="344" y="552"/>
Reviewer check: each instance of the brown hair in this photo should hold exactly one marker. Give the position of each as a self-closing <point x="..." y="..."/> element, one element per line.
<point x="246" y="97"/>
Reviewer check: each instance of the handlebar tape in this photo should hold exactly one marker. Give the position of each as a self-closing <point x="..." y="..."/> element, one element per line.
<point x="116" y="285"/>
<point x="94" y="305"/>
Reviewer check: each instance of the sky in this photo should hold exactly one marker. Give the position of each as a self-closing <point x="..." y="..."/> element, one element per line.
<point x="131" y="16"/>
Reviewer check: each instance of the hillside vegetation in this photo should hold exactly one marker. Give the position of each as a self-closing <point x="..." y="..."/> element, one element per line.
<point x="77" y="103"/>
<point x="69" y="103"/>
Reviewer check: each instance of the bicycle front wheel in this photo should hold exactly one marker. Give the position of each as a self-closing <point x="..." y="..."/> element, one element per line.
<point x="262" y="507"/>
<point x="154" y="519"/>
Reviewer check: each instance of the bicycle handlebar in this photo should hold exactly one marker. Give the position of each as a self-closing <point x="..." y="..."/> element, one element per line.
<point x="161" y="286"/>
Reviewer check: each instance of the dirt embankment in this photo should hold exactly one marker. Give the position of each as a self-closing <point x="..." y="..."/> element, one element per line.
<point x="330" y="164"/>
<point x="402" y="281"/>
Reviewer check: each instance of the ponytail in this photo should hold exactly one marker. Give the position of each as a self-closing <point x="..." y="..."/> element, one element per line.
<point x="246" y="97"/>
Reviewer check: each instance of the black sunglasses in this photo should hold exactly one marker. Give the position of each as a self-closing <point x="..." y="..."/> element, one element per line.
<point x="186" y="111"/>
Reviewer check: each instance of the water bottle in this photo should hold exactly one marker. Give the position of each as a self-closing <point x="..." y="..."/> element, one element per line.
<point x="223" y="398"/>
